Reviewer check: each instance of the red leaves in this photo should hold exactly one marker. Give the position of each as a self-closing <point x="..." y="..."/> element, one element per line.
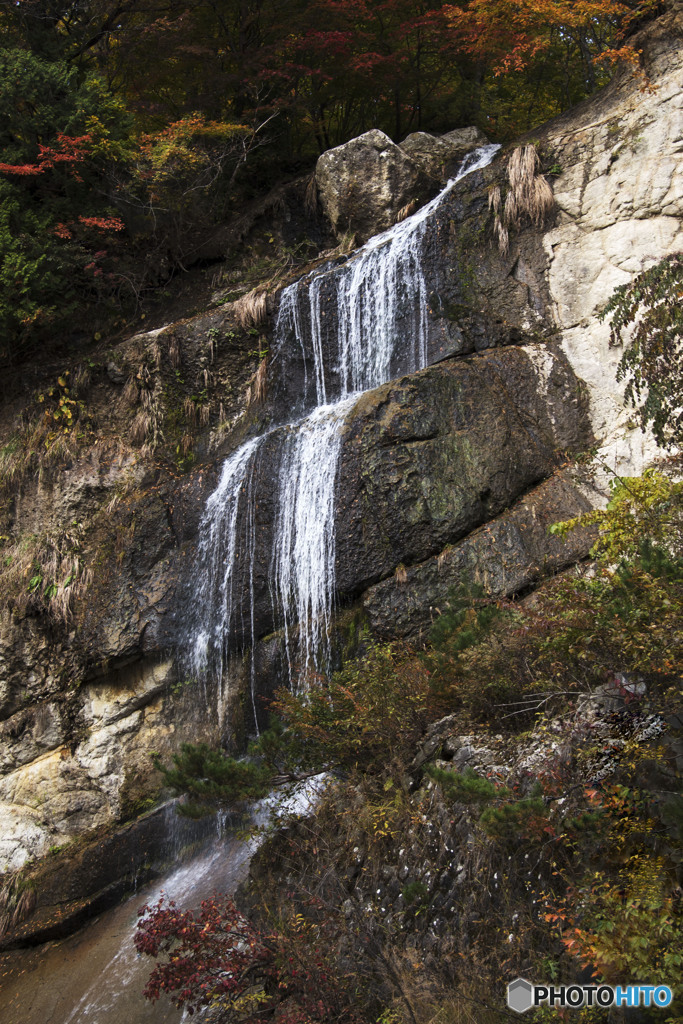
<point x="219" y="953"/>
<point x="69" y="150"/>
<point x="219" y="956"/>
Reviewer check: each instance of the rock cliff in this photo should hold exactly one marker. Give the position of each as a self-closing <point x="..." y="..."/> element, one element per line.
<point x="456" y="469"/>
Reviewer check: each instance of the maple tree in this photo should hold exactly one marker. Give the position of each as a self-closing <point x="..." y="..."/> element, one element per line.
<point x="126" y="124"/>
<point x="218" y="957"/>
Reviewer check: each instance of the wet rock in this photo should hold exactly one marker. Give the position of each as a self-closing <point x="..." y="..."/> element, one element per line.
<point x="510" y="553"/>
<point x="430" y="457"/>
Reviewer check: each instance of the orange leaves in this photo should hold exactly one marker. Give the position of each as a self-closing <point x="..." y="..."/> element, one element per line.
<point x="509" y="35"/>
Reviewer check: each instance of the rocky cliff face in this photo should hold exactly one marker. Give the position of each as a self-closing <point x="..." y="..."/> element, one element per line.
<point x="455" y="470"/>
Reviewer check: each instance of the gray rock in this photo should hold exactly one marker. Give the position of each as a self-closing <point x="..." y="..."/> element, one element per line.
<point x="439" y="156"/>
<point x="366" y="182"/>
<point x="510" y="553"/>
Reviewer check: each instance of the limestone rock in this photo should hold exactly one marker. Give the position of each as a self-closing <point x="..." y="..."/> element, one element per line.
<point x="620" y="201"/>
<point x="364" y="183"/>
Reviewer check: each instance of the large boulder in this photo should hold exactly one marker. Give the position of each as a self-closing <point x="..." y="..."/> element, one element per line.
<point x="439" y="156"/>
<point x="431" y="457"/>
<point x="366" y="182"/>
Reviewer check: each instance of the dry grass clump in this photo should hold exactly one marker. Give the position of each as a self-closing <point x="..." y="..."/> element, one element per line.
<point x="156" y="353"/>
<point x="142" y="427"/>
<point x="406" y="211"/>
<point x="190" y="410"/>
<point x="17" y="900"/>
<point x="250" y="309"/>
<point x="174" y="352"/>
<point x="528" y="197"/>
<point x="46" y="574"/>
<point x="258" y="388"/>
<point x="311" y="196"/>
<point x="130" y="392"/>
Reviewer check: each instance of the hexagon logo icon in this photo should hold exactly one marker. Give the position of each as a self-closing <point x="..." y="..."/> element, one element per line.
<point x="520" y="995"/>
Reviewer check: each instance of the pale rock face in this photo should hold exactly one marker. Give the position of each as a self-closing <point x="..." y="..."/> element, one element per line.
<point x="620" y="198"/>
<point x="51" y="791"/>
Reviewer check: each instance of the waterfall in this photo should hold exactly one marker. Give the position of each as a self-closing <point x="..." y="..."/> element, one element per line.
<point x="356" y="325"/>
<point x="213" y="599"/>
<point x="377" y="300"/>
<point x="304" y="549"/>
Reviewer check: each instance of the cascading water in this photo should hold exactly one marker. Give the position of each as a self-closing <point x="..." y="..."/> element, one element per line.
<point x="303" y="556"/>
<point x="219" y="548"/>
<point x="378" y="301"/>
<point x="361" y="324"/>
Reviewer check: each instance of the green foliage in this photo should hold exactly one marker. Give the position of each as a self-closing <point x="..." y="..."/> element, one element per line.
<point x="648" y="311"/>
<point x="59" y="134"/>
<point x="466" y="787"/>
<point x="365" y="716"/>
<point x="628" y="615"/>
<point x="414" y="892"/>
<point x="209" y="778"/>
<point x="517" y="820"/>
<point x="475" y="653"/>
<point x="468" y="616"/>
<point x="641" y="509"/>
<point x="623" y="936"/>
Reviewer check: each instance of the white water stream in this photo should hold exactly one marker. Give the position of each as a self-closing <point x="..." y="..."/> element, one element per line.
<point x="378" y="304"/>
<point x="378" y="299"/>
<point x="96" y="976"/>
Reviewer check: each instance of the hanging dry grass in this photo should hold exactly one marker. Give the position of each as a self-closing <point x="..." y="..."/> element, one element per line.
<point x="495" y="199"/>
<point x="406" y="211"/>
<point x="186" y="443"/>
<point x="46" y="574"/>
<point x="156" y="353"/>
<point x="174" y="352"/>
<point x="311" y="196"/>
<point x="190" y="410"/>
<point x="250" y="309"/>
<point x="141" y="427"/>
<point x="130" y="392"/>
<point x="543" y="200"/>
<point x="204" y="415"/>
<point x="258" y="387"/>
<point x="528" y="197"/>
<point x="81" y="381"/>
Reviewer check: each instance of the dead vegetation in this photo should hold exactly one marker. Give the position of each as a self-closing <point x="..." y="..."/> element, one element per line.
<point x="46" y="574"/>
<point x="311" y="196"/>
<point x="17" y="900"/>
<point x="250" y="309"/>
<point x="529" y="196"/>
<point x="406" y="211"/>
<point x="258" y="388"/>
